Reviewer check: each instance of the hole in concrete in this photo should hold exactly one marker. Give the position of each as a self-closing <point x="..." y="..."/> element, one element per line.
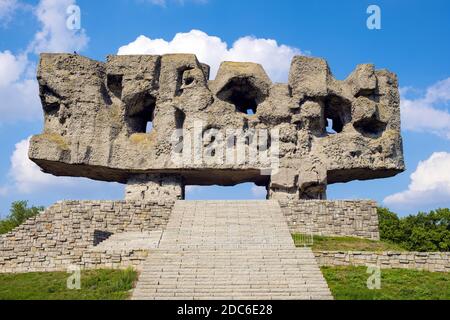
<point x="45" y="92"/>
<point x="114" y="84"/>
<point x="183" y="79"/>
<point x="242" y="94"/>
<point x="371" y="127"/>
<point x="338" y="110"/>
<point x="188" y="81"/>
<point x="180" y="117"/>
<point x="140" y="117"/>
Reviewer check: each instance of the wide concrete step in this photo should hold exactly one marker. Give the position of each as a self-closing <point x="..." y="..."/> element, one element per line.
<point x="232" y="274"/>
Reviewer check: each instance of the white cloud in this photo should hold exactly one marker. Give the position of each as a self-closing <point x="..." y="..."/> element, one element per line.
<point x="7" y="9"/>
<point x="19" y="94"/>
<point x="430" y="184"/>
<point x="54" y="35"/>
<point x="19" y="90"/>
<point x="11" y="67"/>
<point x="20" y="101"/>
<point x="212" y="50"/>
<point x="26" y="175"/>
<point x="27" y="178"/>
<point x="422" y="114"/>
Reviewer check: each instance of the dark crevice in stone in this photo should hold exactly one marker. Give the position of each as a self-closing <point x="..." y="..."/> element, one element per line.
<point x="338" y="110"/>
<point x="105" y="95"/>
<point x="180" y="118"/>
<point x="371" y="128"/>
<point x="100" y="236"/>
<point x="242" y="94"/>
<point x="181" y="80"/>
<point x="46" y="91"/>
<point x="114" y="84"/>
<point x="141" y="114"/>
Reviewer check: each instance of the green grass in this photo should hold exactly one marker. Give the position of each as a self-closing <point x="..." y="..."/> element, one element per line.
<point x="350" y="283"/>
<point x="322" y="243"/>
<point x="95" y="285"/>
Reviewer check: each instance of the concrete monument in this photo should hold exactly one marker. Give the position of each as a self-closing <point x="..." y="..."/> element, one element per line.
<point x="115" y="121"/>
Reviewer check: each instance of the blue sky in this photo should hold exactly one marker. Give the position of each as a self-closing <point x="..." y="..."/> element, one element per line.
<point x="413" y="42"/>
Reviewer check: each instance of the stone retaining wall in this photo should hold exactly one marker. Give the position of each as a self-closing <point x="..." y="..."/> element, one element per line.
<point x="429" y="261"/>
<point x="61" y="235"/>
<point x="122" y="259"/>
<point x="356" y="218"/>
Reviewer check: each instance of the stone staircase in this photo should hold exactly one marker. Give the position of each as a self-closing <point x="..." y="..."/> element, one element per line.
<point x="229" y="250"/>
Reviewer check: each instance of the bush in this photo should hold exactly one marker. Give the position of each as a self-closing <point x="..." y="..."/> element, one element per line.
<point x="18" y="214"/>
<point x="421" y="232"/>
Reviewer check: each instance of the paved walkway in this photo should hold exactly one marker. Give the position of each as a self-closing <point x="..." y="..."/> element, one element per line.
<point x="229" y="250"/>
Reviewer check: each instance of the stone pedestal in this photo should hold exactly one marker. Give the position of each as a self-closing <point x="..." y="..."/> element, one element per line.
<point x="288" y="184"/>
<point x="160" y="187"/>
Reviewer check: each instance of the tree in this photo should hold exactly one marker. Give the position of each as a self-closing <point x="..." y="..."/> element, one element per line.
<point x="421" y="232"/>
<point x="389" y="226"/>
<point x="18" y="214"/>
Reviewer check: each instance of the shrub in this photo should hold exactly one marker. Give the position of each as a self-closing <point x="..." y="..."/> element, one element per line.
<point x="18" y="214"/>
<point x="421" y="232"/>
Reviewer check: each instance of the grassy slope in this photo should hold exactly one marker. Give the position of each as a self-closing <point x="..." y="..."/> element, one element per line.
<point x="350" y="283"/>
<point x="95" y="285"/>
<point x="321" y="243"/>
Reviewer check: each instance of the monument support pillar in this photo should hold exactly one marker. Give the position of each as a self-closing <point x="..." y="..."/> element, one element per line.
<point x="289" y="184"/>
<point x="155" y="187"/>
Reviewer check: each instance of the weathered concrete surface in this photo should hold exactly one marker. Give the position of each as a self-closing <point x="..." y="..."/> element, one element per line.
<point x="96" y="115"/>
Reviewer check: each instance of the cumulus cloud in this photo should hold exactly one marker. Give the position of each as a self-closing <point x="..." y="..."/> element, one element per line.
<point x="275" y="58"/>
<point x="7" y="9"/>
<point x="20" y="101"/>
<point x="430" y="184"/>
<point x="19" y="93"/>
<point x="54" y="36"/>
<point x="26" y="174"/>
<point x="11" y="67"/>
<point x="26" y="177"/>
<point x="423" y="115"/>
